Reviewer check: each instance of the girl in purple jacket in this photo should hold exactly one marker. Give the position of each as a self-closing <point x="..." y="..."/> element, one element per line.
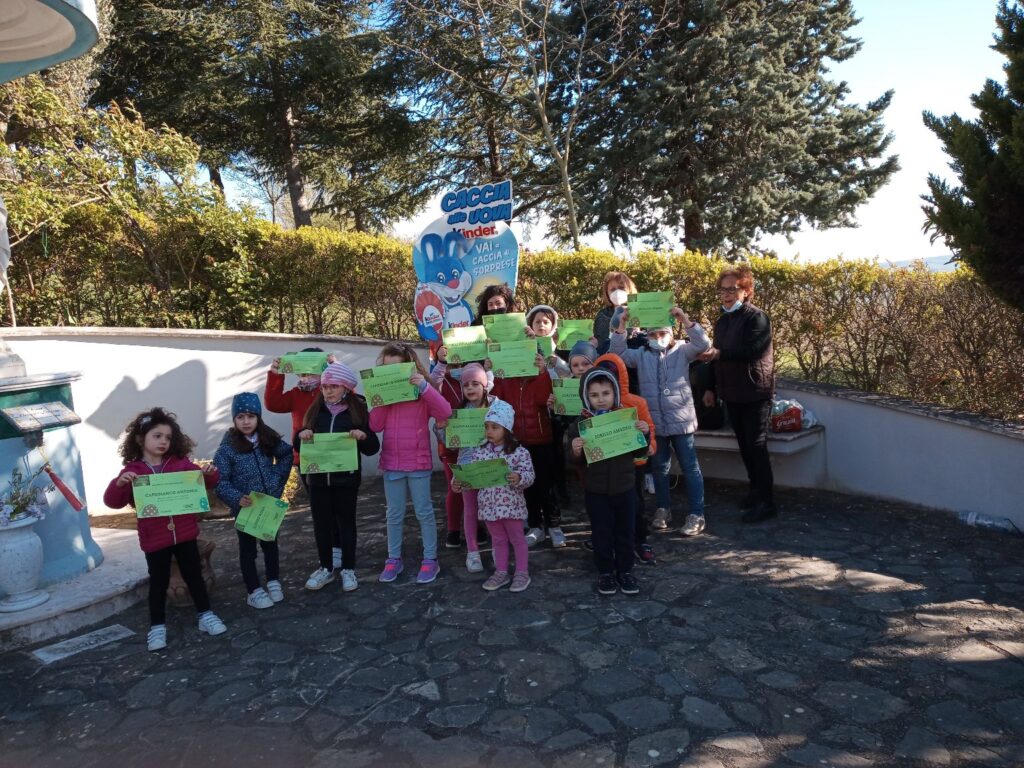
<point x="407" y="462"/>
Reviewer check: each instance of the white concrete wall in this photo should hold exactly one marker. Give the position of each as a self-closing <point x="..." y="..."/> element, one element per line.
<point x="192" y="373"/>
<point x="876" y="450"/>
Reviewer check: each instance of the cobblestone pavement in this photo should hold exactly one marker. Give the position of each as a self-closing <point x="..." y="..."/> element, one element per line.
<point x="849" y="633"/>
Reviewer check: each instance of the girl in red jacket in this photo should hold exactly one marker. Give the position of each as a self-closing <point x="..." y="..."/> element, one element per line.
<point x="407" y="462"/>
<point x="154" y="444"/>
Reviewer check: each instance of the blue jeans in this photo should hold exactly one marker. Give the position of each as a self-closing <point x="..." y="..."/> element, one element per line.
<point x="418" y="485"/>
<point x="662" y="462"/>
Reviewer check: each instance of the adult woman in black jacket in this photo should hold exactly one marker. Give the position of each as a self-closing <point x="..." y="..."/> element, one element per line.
<point x="744" y="378"/>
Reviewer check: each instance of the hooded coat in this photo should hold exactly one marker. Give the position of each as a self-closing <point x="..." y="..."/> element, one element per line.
<point x="612" y="476"/>
<point x="629" y="400"/>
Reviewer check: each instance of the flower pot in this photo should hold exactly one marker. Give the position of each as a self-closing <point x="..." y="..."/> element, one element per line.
<point x="21" y="562"/>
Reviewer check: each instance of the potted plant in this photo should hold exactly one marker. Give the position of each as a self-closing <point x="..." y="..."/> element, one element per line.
<point x="22" y="505"/>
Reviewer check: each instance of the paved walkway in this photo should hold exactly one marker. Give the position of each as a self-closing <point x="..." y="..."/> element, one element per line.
<point x="849" y="633"/>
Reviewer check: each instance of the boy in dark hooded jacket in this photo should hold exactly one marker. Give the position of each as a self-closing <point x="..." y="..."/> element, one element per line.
<point x="610" y="495"/>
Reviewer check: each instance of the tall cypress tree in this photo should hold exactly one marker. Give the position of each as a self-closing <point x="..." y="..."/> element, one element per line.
<point x="730" y="129"/>
<point x="982" y="218"/>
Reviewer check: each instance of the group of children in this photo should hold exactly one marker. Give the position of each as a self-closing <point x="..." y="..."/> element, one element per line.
<point x="519" y="427"/>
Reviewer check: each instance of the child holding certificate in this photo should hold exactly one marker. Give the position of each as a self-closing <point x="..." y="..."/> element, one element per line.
<point x="253" y="457"/>
<point x="407" y="462"/>
<point x="610" y="495"/>
<point x="153" y="445"/>
<point x="296" y="401"/>
<point x="333" y="495"/>
<point x="503" y="508"/>
<point x="475" y="386"/>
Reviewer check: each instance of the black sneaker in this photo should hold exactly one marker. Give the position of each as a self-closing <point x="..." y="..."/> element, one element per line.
<point x="628" y="584"/>
<point x="645" y="555"/>
<point x="606" y="584"/>
<point x="453" y="540"/>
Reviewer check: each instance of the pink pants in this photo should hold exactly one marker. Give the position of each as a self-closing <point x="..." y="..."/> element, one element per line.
<point x="503" y="533"/>
<point x="453" y="505"/>
<point x="469" y="521"/>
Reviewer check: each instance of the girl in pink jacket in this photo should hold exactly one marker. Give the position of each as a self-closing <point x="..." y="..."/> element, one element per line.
<point x="407" y="462"/>
<point x="153" y="445"/>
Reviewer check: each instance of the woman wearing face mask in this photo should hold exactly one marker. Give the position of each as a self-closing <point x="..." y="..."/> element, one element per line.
<point x="663" y="370"/>
<point x="495" y="300"/>
<point x="743" y="375"/>
<point x="615" y="290"/>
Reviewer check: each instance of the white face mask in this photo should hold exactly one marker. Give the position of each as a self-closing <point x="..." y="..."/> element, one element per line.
<point x="618" y="297"/>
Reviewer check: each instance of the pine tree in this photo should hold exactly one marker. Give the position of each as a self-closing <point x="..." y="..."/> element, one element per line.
<point x="731" y="129"/>
<point x="982" y="218"/>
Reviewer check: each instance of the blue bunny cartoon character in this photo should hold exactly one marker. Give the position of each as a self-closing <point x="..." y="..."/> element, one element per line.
<point x="441" y="271"/>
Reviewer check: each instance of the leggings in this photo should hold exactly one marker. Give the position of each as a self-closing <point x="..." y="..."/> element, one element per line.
<point x="335" y="533"/>
<point x="505" y="533"/>
<point x="469" y="521"/>
<point x="247" y="560"/>
<point x="159" y="562"/>
<point x="334" y="509"/>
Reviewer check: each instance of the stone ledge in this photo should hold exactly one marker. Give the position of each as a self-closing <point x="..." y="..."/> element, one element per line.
<point x="782" y="443"/>
<point x="904" y="405"/>
<point x="118" y="583"/>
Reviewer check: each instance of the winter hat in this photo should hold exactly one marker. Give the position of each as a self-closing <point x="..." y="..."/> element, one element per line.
<point x="339" y="373"/>
<point x="501" y="413"/>
<point x="246" y="402"/>
<point x="474" y="372"/>
<point x="599" y="373"/>
<point x="583" y="349"/>
<point x="541" y="308"/>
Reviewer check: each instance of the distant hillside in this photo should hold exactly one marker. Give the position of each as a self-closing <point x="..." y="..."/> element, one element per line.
<point x="933" y="263"/>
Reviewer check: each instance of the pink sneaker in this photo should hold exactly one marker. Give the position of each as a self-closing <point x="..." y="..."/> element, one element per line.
<point x="392" y="567"/>
<point x="428" y="572"/>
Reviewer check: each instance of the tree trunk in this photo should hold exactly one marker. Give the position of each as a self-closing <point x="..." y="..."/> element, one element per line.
<point x="693" y="229"/>
<point x="292" y="169"/>
<point x="216" y="179"/>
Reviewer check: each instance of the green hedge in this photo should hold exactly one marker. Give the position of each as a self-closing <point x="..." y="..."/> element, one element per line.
<point x="935" y="337"/>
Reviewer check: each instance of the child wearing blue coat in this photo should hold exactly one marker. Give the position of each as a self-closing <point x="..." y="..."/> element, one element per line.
<point x="253" y="457"/>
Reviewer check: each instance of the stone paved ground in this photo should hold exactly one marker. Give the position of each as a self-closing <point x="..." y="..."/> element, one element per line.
<point x="850" y="633"/>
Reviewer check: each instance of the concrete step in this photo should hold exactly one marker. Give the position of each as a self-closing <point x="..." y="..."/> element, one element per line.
<point x="119" y="582"/>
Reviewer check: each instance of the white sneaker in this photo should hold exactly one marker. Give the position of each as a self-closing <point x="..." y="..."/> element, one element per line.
<point x="259" y="598"/>
<point x="661" y="518"/>
<point x="275" y="591"/>
<point x="156" y="640"/>
<point x="557" y="537"/>
<point x="534" y="536"/>
<point x="473" y="562"/>
<point x="349" y="583"/>
<point x="211" y="624"/>
<point x="693" y="526"/>
<point x="649" y="484"/>
<point x="336" y="558"/>
<point x="319" y="579"/>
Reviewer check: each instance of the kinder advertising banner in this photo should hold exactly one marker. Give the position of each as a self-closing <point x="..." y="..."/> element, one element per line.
<point x="461" y="254"/>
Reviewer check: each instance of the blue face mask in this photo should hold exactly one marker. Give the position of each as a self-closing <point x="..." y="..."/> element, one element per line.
<point x="658" y="345"/>
<point x="456" y="373"/>
<point x="734" y="307"/>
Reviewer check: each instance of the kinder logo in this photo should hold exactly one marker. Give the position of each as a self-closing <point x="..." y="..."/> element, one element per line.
<point x="478" y="232"/>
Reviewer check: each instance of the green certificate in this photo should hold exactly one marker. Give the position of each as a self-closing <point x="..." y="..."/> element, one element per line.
<point x="303" y="362"/>
<point x="511" y="327"/>
<point x="567" y="397"/>
<point x="611" y="434"/>
<point x="511" y="359"/>
<point x="173" y="493"/>
<point x="546" y="346"/>
<point x="489" y="473"/>
<point x="328" y="452"/>
<point x="465" y="344"/>
<point x="651" y="310"/>
<point x="465" y="427"/>
<point x="387" y="384"/>
<point x="263" y="518"/>
<point x="571" y="331"/>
